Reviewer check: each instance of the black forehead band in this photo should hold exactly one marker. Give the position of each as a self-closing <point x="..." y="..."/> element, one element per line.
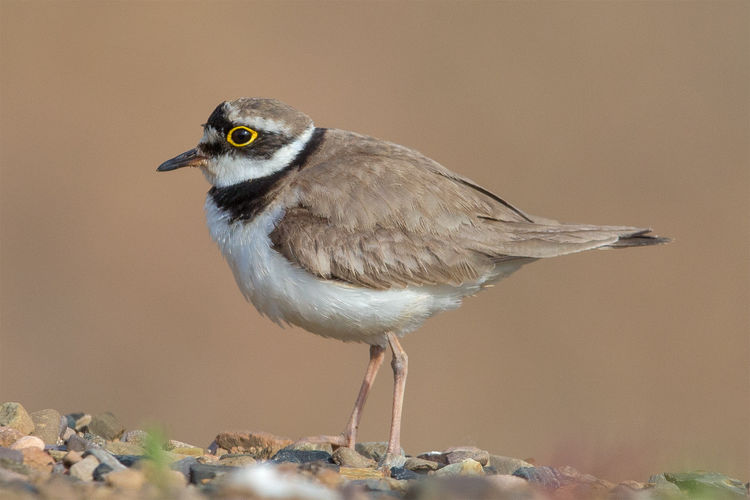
<point x="218" y="120"/>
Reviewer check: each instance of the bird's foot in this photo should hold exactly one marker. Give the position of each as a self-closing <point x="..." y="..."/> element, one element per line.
<point x="337" y="440"/>
<point x="389" y="461"/>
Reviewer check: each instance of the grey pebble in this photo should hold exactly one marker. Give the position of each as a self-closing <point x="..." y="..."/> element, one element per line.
<point x="201" y="472"/>
<point x="77" y="443"/>
<point x="301" y="456"/>
<point x="10" y="455"/>
<point x="106" y="425"/>
<point x="184" y="465"/>
<point x="106" y="458"/>
<point x="543" y="476"/>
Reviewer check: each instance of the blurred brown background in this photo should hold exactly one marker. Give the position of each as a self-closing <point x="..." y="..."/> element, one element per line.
<point x="619" y="363"/>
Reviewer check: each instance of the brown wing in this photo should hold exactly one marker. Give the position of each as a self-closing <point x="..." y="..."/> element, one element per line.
<point x="380" y="215"/>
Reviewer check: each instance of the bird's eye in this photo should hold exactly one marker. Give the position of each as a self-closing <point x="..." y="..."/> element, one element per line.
<point x="241" y="136"/>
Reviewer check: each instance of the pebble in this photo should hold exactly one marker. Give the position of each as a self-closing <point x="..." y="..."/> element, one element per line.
<point x="84" y="470"/>
<point x="28" y="442"/>
<point x="101" y="472"/>
<point x="347" y="457"/>
<point x="374" y="450"/>
<point x="77" y="443"/>
<point x="136" y="436"/>
<point x="106" y="425"/>
<point x="402" y="473"/>
<point x="183" y="465"/>
<point x="189" y="450"/>
<point x="301" y="456"/>
<point x="262" y="445"/>
<point x="15" y="415"/>
<point x="67" y="433"/>
<point x="47" y="425"/>
<point x="460" y="453"/>
<point x="202" y="473"/>
<point x="122" y="448"/>
<point x="9" y="435"/>
<point x="105" y="457"/>
<point x="707" y="484"/>
<point x="507" y="465"/>
<point x="354" y="473"/>
<point x="421" y="465"/>
<point x="94" y="440"/>
<point x="468" y="467"/>
<point x="237" y="460"/>
<point x="543" y="476"/>
<point x="10" y="455"/>
<point x="128" y="479"/>
<point x="71" y="458"/>
<point x="78" y="421"/>
<point x="308" y="446"/>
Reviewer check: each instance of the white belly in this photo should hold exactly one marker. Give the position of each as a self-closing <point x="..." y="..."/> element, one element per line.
<point x="288" y="294"/>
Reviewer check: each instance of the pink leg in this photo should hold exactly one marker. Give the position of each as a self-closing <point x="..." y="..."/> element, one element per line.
<point x="377" y="353"/>
<point x="400" y="364"/>
<point x="349" y="436"/>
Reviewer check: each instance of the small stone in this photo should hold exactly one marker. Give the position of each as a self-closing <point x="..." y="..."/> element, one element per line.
<point x="56" y="454"/>
<point x="106" y="458"/>
<point x="10" y="455"/>
<point x="84" y="470"/>
<point x="101" y="472"/>
<point x="237" y="460"/>
<point x="129" y="460"/>
<point x="460" y="453"/>
<point x="77" y="443"/>
<point x="9" y="435"/>
<point x="37" y="459"/>
<point x="203" y="473"/>
<point x="308" y="446"/>
<point x="189" y="450"/>
<point x="355" y="473"/>
<point x="47" y="425"/>
<point x="106" y="425"/>
<point x="347" y="457"/>
<point x="135" y="436"/>
<point x="543" y="476"/>
<point x="468" y="467"/>
<point x="71" y="458"/>
<point x="15" y="415"/>
<point x="78" y="421"/>
<point x="507" y="465"/>
<point x="434" y="456"/>
<point x="28" y="442"/>
<point x="421" y="465"/>
<point x="373" y="449"/>
<point x="128" y="479"/>
<point x="707" y="484"/>
<point x="301" y="456"/>
<point x="67" y="433"/>
<point x="402" y="473"/>
<point x="121" y="448"/>
<point x="183" y="466"/>
<point x="94" y="440"/>
<point x="261" y="445"/>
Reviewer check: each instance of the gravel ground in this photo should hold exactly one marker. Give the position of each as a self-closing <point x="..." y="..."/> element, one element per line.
<point x="47" y="455"/>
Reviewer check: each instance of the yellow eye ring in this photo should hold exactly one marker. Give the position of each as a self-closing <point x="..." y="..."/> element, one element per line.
<point x="241" y="136"/>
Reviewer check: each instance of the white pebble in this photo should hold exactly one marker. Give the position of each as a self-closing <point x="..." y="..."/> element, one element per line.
<point x="28" y="442"/>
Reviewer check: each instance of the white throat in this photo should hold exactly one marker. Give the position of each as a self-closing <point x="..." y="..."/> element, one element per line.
<point x="228" y="170"/>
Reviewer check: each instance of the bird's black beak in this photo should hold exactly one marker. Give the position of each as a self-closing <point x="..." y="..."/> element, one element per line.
<point x="192" y="158"/>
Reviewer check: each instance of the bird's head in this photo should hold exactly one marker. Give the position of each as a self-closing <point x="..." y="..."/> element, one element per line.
<point x="246" y="139"/>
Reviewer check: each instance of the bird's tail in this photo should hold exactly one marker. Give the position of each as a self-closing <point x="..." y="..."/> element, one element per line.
<point x="640" y="239"/>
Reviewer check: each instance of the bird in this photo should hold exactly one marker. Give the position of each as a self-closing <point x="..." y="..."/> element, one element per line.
<point x="359" y="239"/>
